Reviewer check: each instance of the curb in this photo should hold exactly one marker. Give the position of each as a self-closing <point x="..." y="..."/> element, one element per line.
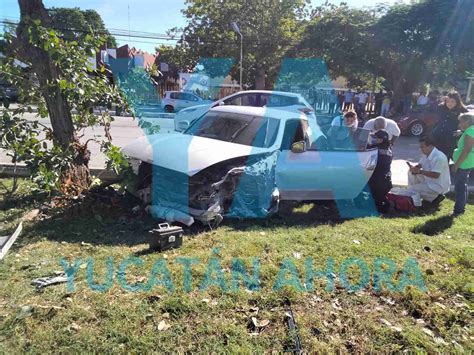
<point x="10" y="170"/>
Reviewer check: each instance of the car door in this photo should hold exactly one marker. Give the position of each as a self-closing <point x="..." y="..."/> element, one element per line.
<point x="321" y="172"/>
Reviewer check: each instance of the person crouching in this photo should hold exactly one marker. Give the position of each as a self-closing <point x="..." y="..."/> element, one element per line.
<point x="430" y="178"/>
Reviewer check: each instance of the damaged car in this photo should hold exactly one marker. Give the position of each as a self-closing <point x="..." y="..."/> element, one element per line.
<point x="241" y="162"/>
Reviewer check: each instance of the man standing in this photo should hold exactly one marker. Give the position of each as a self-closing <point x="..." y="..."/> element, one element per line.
<point x="378" y="102"/>
<point x="332" y="102"/>
<point x="430" y="179"/>
<point x="391" y="128"/>
<point x="348" y="100"/>
<point x="362" y="101"/>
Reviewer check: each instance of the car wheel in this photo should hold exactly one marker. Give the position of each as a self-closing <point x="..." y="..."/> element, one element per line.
<point x="417" y="129"/>
<point x="169" y="108"/>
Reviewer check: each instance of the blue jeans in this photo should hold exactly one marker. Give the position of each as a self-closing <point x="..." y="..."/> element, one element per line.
<point x="460" y="187"/>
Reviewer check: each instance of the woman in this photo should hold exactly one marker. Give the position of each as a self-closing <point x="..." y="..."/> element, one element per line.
<point x="463" y="161"/>
<point x="444" y="133"/>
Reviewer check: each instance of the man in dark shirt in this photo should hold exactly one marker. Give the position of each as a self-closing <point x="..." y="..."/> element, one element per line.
<point x="380" y="182"/>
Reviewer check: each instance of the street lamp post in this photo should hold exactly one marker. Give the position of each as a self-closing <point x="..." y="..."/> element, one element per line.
<point x="469" y="88"/>
<point x="236" y="28"/>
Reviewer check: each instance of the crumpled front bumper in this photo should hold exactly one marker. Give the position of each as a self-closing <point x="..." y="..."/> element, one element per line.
<point x="244" y="191"/>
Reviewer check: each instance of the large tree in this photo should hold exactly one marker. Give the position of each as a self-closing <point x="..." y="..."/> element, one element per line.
<point x="269" y="29"/>
<point x="340" y="36"/>
<point x="406" y="45"/>
<point x="59" y="79"/>
<point x="75" y="24"/>
<point x="412" y="41"/>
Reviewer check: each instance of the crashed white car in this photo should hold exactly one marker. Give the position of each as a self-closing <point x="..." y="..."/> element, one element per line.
<point x="281" y="100"/>
<point x="241" y="161"/>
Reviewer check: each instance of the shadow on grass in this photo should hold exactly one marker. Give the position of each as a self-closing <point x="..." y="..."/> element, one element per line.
<point x="99" y="219"/>
<point x="434" y="226"/>
<point x="303" y="214"/>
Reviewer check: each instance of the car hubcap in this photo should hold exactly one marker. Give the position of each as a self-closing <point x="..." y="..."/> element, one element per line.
<point x="417" y="129"/>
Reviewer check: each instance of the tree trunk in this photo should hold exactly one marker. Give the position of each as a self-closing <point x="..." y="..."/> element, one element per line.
<point x="260" y="79"/>
<point x="77" y="177"/>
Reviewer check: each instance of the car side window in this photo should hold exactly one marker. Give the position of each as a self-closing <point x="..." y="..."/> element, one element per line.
<point x="278" y="100"/>
<point x="186" y="97"/>
<point x="243" y="100"/>
<point x="175" y="96"/>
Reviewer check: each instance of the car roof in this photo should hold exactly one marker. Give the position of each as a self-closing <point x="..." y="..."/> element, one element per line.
<point x="271" y="92"/>
<point x="259" y="111"/>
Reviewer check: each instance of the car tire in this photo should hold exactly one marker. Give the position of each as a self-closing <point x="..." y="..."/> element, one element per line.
<point x="416" y="129"/>
<point x="169" y="109"/>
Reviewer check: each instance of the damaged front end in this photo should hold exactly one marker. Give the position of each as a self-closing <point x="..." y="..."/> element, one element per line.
<point x="242" y="187"/>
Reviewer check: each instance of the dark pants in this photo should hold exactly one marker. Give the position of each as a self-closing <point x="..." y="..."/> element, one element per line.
<point x="378" y="107"/>
<point x="460" y="187"/>
<point x="332" y="108"/>
<point x="380" y="182"/>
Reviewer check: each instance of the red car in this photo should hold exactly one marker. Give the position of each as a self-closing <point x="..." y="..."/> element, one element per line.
<point x="417" y="123"/>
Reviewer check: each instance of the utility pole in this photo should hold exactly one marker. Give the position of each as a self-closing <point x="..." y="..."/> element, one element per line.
<point x="236" y="28"/>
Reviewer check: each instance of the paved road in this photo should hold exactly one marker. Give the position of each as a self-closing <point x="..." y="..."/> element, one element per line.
<point x="125" y="129"/>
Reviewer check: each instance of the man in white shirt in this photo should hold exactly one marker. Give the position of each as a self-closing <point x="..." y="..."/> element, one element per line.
<point x="363" y="96"/>
<point x="391" y="128"/>
<point x="430" y="178"/>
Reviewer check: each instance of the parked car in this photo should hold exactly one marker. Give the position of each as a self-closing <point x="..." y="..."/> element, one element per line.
<point x="417" y="122"/>
<point x="174" y="101"/>
<point x="240" y="161"/>
<point x="252" y="98"/>
<point x="9" y="93"/>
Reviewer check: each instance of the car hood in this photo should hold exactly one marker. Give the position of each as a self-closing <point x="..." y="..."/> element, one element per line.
<point x="185" y="153"/>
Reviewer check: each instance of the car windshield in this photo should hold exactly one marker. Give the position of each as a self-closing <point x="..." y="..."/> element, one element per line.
<point x="243" y="129"/>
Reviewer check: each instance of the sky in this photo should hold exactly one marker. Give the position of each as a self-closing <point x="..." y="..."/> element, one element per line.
<point x="156" y="16"/>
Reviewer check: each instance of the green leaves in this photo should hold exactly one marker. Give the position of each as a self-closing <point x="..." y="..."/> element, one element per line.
<point x="31" y="142"/>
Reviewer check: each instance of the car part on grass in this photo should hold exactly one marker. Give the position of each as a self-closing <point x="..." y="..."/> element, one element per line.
<point x="295" y="346"/>
<point x="7" y="241"/>
<point x="165" y="237"/>
<point x="43" y="282"/>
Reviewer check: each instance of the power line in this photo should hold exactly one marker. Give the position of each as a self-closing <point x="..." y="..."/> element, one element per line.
<point x="149" y="35"/>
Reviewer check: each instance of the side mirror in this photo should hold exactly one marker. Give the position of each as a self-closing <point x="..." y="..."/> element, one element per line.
<point x="298" y="147"/>
<point x="183" y="125"/>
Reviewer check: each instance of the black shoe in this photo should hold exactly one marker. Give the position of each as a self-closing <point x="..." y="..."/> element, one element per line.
<point x="438" y="200"/>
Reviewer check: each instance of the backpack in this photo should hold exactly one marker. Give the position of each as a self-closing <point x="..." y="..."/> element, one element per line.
<point x="401" y="203"/>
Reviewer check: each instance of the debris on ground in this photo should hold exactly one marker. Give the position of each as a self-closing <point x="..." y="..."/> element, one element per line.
<point x="294" y="345"/>
<point x="7" y="241"/>
<point x="43" y="282"/>
<point x="29" y="216"/>
<point x="162" y="326"/>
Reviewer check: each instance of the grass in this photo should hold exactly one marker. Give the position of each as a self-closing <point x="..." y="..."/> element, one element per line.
<point x="204" y="321"/>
